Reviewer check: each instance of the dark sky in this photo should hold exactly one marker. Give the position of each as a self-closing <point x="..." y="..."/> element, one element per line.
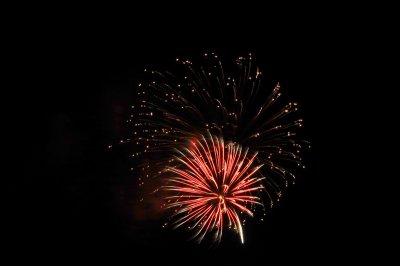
<point x="71" y="197"/>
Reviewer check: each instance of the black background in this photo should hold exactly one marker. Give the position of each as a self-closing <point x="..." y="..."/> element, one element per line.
<point x="69" y="195"/>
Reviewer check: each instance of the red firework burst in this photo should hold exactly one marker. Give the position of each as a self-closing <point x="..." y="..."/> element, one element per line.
<point x="212" y="184"/>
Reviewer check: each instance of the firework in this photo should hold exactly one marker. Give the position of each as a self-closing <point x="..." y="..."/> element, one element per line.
<point x="212" y="183"/>
<point x="193" y="127"/>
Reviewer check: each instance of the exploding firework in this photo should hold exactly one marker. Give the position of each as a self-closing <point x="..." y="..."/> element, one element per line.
<point x="212" y="183"/>
<point x="193" y="127"/>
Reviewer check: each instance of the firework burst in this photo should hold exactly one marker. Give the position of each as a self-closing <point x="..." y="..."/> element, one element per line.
<point x="212" y="183"/>
<point x="192" y="127"/>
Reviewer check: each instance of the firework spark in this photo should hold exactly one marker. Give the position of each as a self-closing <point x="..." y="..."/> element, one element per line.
<point x="229" y="112"/>
<point x="212" y="184"/>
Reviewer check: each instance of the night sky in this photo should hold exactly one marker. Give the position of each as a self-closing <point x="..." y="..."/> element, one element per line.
<point x="71" y="198"/>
